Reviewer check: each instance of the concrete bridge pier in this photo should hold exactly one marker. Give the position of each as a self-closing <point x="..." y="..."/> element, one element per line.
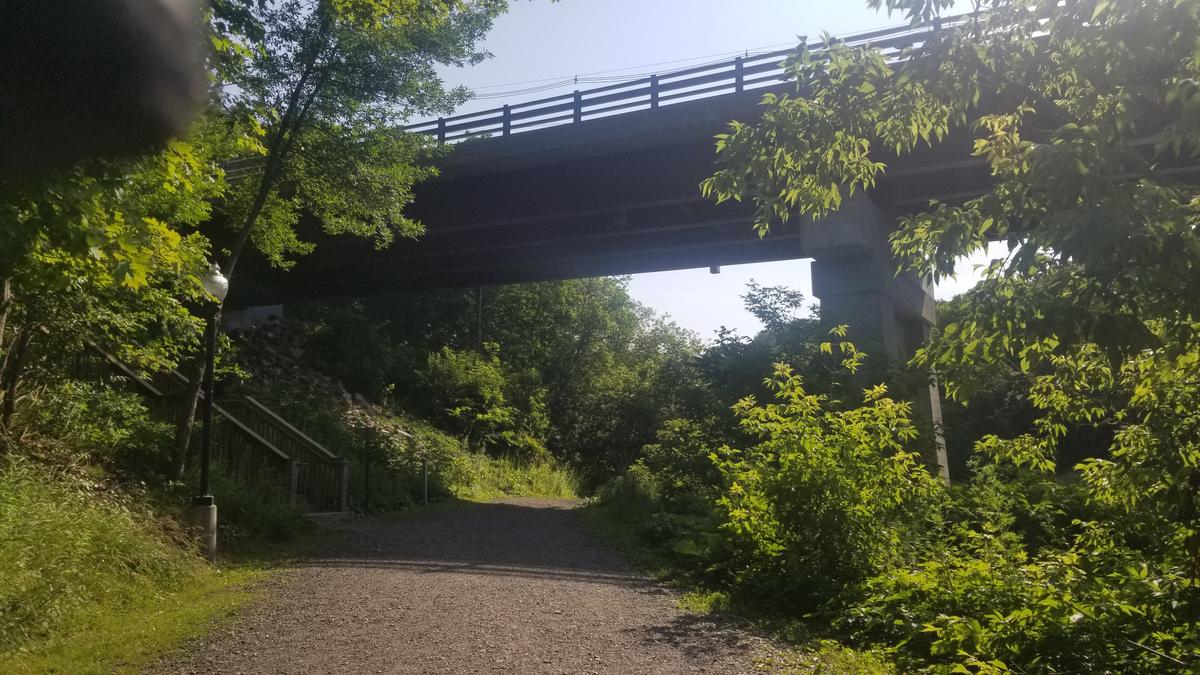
<point x="889" y="315"/>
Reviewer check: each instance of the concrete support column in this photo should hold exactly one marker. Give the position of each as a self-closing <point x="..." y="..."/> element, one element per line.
<point x="889" y="315"/>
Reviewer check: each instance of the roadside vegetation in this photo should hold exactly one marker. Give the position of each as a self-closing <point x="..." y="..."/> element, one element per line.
<point x="1068" y="542"/>
<point x="96" y="580"/>
<point x="782" y="476"/>
<point x="100" y="288"/>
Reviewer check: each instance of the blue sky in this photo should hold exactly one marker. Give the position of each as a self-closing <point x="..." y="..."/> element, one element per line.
<point x="541" y="40"/>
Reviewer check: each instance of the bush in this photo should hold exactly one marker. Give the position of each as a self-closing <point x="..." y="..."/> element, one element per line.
<point x="1029" y="574"/>
<point x="253" y="512"/>
<point x="69" y="543"/>
<point x="92" y="422"/>
<point x="685" y="476"/>
<point x="633" y="493"/>
<point x="828" y="498"/>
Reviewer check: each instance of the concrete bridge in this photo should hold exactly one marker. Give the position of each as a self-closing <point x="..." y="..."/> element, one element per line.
<point x="606" y="182"/>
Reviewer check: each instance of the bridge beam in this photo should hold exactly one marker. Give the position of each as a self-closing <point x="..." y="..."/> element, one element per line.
<point x="889" y="315"/>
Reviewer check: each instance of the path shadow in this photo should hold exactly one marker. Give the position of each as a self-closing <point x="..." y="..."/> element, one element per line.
<point x="545" y="541"/>
<point x="697" y="636"/>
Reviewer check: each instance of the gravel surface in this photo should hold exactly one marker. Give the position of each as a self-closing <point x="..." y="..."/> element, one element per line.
<point x="508" y="587"/>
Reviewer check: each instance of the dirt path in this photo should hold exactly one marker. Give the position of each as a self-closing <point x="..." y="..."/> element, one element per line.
<point x="512" y="587"/>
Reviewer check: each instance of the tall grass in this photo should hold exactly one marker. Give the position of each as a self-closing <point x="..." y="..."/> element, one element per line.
<point x="482" y="477"/>
<point x="66" y="544"/>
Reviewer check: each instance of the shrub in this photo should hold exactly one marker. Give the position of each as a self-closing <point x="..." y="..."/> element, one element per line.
<point x="466" y="390"/>
<point x="483" y="477"/>
<point x="93" y="422"/>
<point x="66" y="543"/>
<point x="1030" y="576"/>
<point x="253" y="512"/>
<point x="634" y="493"/>
<point x="828" y="498"/>
<point x="685" y="475"/>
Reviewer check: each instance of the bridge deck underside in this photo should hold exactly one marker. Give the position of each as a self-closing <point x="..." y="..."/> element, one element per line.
<point x="618" y="195"/>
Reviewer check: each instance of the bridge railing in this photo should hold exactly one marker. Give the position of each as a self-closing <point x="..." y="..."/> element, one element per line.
<point x="743" y="73"/>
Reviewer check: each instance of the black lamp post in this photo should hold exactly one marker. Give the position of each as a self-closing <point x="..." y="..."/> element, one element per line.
<point x="204" y="507"/>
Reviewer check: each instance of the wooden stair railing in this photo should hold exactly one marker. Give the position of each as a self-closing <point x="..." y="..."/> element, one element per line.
<point x="319" y="478"/>
<point x="251" y="441"/>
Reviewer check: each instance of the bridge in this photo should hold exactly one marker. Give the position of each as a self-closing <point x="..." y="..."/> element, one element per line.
<point x="606" y="182"/>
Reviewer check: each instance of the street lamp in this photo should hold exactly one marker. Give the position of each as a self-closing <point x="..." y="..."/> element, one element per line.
<point x="204" y="507"/>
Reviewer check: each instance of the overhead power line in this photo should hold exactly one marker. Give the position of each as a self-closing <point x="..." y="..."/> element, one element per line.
<point x="613" y="75"/>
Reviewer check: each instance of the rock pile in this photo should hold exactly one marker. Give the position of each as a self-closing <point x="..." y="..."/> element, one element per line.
<point x="273" y="352"/>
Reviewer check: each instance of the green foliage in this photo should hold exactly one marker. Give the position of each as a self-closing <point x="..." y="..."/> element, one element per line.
<point x="481" y="477"/>
<point x="685" y="476"/>
<point x="117" y="215"/>
<point x="467" y="388"/>
<point x="133" y="634"/>
<point x="775" y="306"/>
<point x="634" y="492"/>
<point x="1081" y="111"/>
<point x="573" y="370"/>
<point x="69" y="543"/>
<point x="253" y="512"/>
<point x="828" y="497"/>
<point x="327" y="87"/>
<point x="389" y="446"/>
<point x="410" y="449"/>
<point x="1029" y="574"/>
<point x="827" y="657"/>
<point x="91" y="423"/>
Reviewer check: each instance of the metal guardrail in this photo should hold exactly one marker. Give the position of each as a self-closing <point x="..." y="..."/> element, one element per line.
<point x="741" y="74"/>
<point x="753" y="72"/>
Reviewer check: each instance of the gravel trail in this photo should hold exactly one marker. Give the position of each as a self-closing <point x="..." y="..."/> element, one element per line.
<point x="507" y="587"/>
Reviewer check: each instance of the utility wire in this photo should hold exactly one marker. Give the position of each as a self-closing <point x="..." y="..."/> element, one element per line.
<point x="602" y="79"/>
<point x="592" y="74"/>
<point x="608" y="76"/>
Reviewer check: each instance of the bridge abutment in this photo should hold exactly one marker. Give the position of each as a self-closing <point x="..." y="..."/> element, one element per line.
<point x="889" y="316"/>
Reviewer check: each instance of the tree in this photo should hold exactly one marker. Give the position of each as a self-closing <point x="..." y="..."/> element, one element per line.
<point x="583" y="370"/>
<point x="466" y="390"/>
<point x="330" y="83"/>
<point x="1086" y="114"/>
<point x="774" y="306"/>
<point x="101" y="252"/>
<point x="326" y="86"/>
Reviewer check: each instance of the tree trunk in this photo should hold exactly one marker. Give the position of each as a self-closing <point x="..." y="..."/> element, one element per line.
<point x="6" y="302"/>
<point x="186" y="420"/>
<point x="279" y="147"/>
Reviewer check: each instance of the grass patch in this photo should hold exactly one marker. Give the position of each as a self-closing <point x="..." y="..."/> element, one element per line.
<point x="106" y="639"/>
<point x="69" y="543"/>
<point x="825" y="658"/>
<point x="703" y="602"/>
<point x="94" y="580"/>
